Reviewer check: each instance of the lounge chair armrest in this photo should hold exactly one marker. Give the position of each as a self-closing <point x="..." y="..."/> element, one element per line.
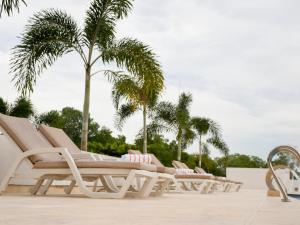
<point x="63" y="151"/>
<point x="31" y="152"/>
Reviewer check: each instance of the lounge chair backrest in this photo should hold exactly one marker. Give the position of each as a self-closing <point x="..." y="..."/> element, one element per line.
<point x="200" y="170"/>
<point x="9" y="152"/>
<point x="130" y="151"/>
<point x="27" y="137"/>
<point x="154" y="160"/>
<point x="177" y="164"/>
<point x="184" y="165"/>
<point x="58" y="138"/>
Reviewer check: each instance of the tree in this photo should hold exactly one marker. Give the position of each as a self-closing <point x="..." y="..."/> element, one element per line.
<point x="140" y="94"/>
<point x="211" y="131"/>
<point x="3" y="106"/>
<point x="9" y="6"/>
<point x="240" y="161"/>
<point x="175" y="118"/>
<point x="70" y="120"/>
<point x="22" y="107"/>
<point x="160" y="147"/>
<point x="52" y="33"/>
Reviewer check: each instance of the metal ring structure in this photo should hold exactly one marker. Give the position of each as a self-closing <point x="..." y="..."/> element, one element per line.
<point x="275" y="151"/>
<point x="269" y="177"/>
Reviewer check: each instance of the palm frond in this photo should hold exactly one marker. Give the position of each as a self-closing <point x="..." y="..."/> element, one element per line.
<point x="49" y="35"/>
<point x="185" y="100"/>
<point x="188" y="136"/>
<point x="138" y="59"/>
<point x="125" y="88"/>
<point x="182" y="110"/>
<point x="101" y="20"/>
<point x="219" y="144"/>
<point x="205" y="126"/>
<point x="8" y="6"/>
<point x="205" y="149"/>
<point x="156" y="128"/>
<point x="124" y="112"/>
<point x="165" y="112"/>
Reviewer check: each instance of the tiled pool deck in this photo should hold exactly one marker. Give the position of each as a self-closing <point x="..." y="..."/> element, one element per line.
<point x="243" y="208"/>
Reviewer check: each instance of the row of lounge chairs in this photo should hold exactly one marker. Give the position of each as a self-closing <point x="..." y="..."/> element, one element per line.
<point x="47" y="154"/>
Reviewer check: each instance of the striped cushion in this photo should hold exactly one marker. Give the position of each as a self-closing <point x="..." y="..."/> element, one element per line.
<point x="141" y="158"/>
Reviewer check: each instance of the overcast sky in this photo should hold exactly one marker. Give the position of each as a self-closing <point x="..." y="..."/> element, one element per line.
<point x="239" y="59"/>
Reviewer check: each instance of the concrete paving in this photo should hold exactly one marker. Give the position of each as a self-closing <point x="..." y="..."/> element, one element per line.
<point x="247" y="207"/>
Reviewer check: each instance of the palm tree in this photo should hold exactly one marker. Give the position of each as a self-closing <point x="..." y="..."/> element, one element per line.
<point x="22" y="107"/>
<point x="211" y="131"/>
<point x="140" y="94"/>
<point x="52" y="33"/>
<point x="175" y="118"/>
<point x="9" y="5"/>
<point x="3" y="106"/>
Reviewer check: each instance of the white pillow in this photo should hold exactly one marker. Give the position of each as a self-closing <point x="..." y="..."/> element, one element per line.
<point x="141" y="158"/>
<point x="182" y="171"/>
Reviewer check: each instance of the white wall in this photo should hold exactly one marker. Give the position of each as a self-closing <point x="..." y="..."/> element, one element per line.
<point x="254" y="178"/>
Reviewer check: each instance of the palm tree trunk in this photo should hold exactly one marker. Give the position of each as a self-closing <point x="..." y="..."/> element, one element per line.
<point x="86" y="108"/>
<point x="179" y="148"/>
<point x="200" y="151"/>
<point x="145" y="129"/>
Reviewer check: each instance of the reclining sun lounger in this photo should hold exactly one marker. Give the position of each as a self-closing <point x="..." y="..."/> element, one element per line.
<point x="19" y="139"/>
<point x="226" y="185"/>
<point x="204" y="183"/>
<point x="183" y="182"/>
<point x="58" y="138"/>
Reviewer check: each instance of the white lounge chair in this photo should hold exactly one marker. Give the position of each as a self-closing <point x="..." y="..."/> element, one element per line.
<point x="58" y="138"/>
<point x="21" y="143"/>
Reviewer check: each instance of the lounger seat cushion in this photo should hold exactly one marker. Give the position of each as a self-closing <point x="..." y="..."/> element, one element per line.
<point x="82" y="156"/>
<point x="95" y="164"/>
<point x="27" y="137"/>
<point x="192" y="176"/>
<point x="58" y="138"/>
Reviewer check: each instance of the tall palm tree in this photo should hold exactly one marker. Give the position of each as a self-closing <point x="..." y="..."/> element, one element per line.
<point x="140" y="94"/>
<point x="209" y="133"/>
<point x="9" y="6"/>
<point x="52" y="33"/>
<point x="175" y="118"/>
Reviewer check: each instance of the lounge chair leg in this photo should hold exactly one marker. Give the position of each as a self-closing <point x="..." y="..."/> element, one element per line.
<point x="186" y="187"/>
<point x="139" y="183"/>
<point x="229" y="188"/>
<point x="108" y="184"/>
<point x="163" y="187"/>
<point x="46" y="187"/>
<point x="226" y="187"/>
<point x="238" y="188"/>
<point x="34" y="190"/>
<point x="206" y="188"/>
<point x="147" y="187"/>
<point x="68" y="189"/>
<point x="196" y="186"/>
<point x="95" y="185"/>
